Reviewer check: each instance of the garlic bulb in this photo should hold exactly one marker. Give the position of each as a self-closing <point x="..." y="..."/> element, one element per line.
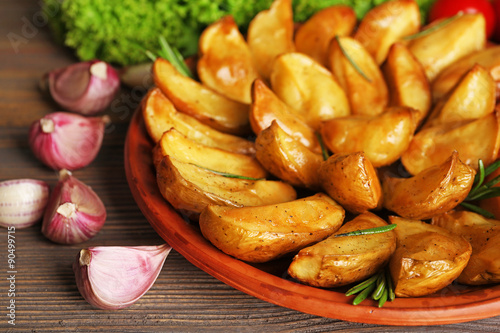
<point x="85" y="87"/>
<point x="114" y="277"/>
<point x="22" y="202"/>
<point x="64" y="140"/>
<point x="74" y="214"/>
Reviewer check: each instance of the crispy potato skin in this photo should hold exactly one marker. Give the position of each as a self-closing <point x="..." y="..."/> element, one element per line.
<point x="427" y="258"/>
<point x="260" y="234"/>
<point x="338" y="261"/>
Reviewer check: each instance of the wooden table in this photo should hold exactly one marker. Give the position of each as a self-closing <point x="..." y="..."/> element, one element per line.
<point x="184" y="298"/>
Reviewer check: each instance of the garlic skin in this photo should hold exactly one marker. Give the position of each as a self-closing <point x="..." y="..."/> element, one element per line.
<point x="22" y="202"/>
<point x="74" y="214"/>
<point x="63" y="140"/>
<point x="86" y="87"/>
<point x="114" y="277"/>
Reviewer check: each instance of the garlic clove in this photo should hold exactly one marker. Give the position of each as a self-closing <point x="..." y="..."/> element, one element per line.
<point x="63" y="140"/>
<point x="114" y="277"/>
<point x="22" y="202"/>
<point x="74" y="214"/>
<point x="85" y="87"/>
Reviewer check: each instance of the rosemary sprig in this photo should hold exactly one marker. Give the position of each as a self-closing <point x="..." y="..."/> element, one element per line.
<point x="351" y="61"/>
<point x="228" y="175"/>
<point x="370" y="231"/>
<point x="482" y="190"/>
<point x="433" y="28"/>
<point x="172" y="55"/>
<point x="379" y="287"/>
<point x="324" y="151"/>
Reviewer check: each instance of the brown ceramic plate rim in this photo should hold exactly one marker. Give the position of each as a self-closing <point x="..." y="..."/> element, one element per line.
<point x="452" y="306"/>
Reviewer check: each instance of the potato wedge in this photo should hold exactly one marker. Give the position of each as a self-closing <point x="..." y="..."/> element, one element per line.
<point x="484" y="236"/>
<point x="228" y="68"/>
<point x="442" y="47"/>
<point x="489" y="58"/>
<point x="270" y="33"/>
<point x="160" y="115"/>
<point x="266" y="107"/>
<point x="176" y="145"/>
<point x="190" y="188"/>
<point x="385" y="24"/>
<point x="383" y="138"/>
<point x="408" y="84"/>
<point x="338" y="261"/>
<point x="472" y="98"/>
<point x="433" y="191"/>
<point x="352" y="181"/>
<point x="261" y="234"/>
<point x="367" y="95"/>
<point x="309" y="88"/>
<point x="474" y="140"/>
<point x="204" y="104"/>
<point x="314" y="35"/>
<point x="287" y="158"/>
<point x="427" y="258"/>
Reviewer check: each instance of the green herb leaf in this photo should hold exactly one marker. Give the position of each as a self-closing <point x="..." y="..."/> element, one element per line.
<point x="481" y="190"/>
<point x="478" y="210"/>
<point x="378" y="286"/>
<point x="433" y="28"/>
<point x="361" y="286"/>
<point x="371" y="231"/>
<point x="228" y="175"/>
<point x="172" y="55"/>
<point x="324" y="151"/>
<point x="351" y="61"/>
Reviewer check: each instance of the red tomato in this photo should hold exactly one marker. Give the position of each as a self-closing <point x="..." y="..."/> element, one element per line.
<point x="447" y="8"/>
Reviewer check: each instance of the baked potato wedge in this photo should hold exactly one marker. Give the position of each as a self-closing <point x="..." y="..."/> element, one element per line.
<point x="266" y="107"/>
<point x="427" y="257"/>
<point x="352" y="181"/>
<point x="190" y="188"/>
<point x="473" y="139"/>
<point x="287" y="158"/>
<point x="473" y="97"/>
<point x="484" y="236"/>
<point x="185" y="150"/>
<point x="433" y="191"/>
<point x="386" y="24"/>
<point x="407" y="81"/>
<point x="488" y="58"/>
<point x="228" y="68"/>
<point x="314" y="35"/>
<point x="270" y="33"/>
<point x="442" y="47"/>
<point x="261" y="234"/>
<point x="383" y="138"/>
<point x="160" y="115"/>
<point x="193" y="98"/>
<point x="339" y="261"/>
<point x="367" y="93"/>
<point x="309" y="88"/>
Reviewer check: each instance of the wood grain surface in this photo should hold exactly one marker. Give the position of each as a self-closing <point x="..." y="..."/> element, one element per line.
<point x="184" y="298"/>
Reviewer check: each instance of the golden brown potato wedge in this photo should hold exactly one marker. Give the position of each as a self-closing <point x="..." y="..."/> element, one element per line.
<point x="160" y="115"/>
<point x="442" y="47"/>
<point x="338" y="261"/>
<point x="309" y="88"/>
<point x="489" y="58"/>
<point x="191" y="97"/>
<point x="474" y="140"/>
<point x="484" y="236"/>
<point x="270" y="33"/>
<point x="260" y="234"/>
<point x="408" y="84"/>
<point x="382" y="138"/>
<point x="385" y="24"/>
<point x="227" y="68"/>
<point x="314" y="35"/>
<point x="176" y="145"/>
<point x="287" y="158"/>
<point x="190" y="188"/>
<point x="472" y="98"/>
<point x="427" y="258"/>
<point x="352" y="181"/>
<point x="368" y="94"/>
<point x="433" y="191"/>
<point x="266" y="107"/>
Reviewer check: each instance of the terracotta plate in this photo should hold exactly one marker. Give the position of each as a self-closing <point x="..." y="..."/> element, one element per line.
<point x="270" y="282"/>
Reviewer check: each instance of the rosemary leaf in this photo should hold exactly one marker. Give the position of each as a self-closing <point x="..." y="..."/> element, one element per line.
<point x="433" y="28"/>
<point x="228" y="175"/>
<point x="174" y="56"/>
<point x="324" y="151"/>
<point x="371" y="231"/>
<point x="491" y="168"/>
<point x="361" y="286"/>
<point x="390" y="286"/>
<point x="364" y="294"/>
<point x="351" y="61"/>
<point x="381" y="286"/>
<point x="477" y="210"/>
<point x="479" y="178"/>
